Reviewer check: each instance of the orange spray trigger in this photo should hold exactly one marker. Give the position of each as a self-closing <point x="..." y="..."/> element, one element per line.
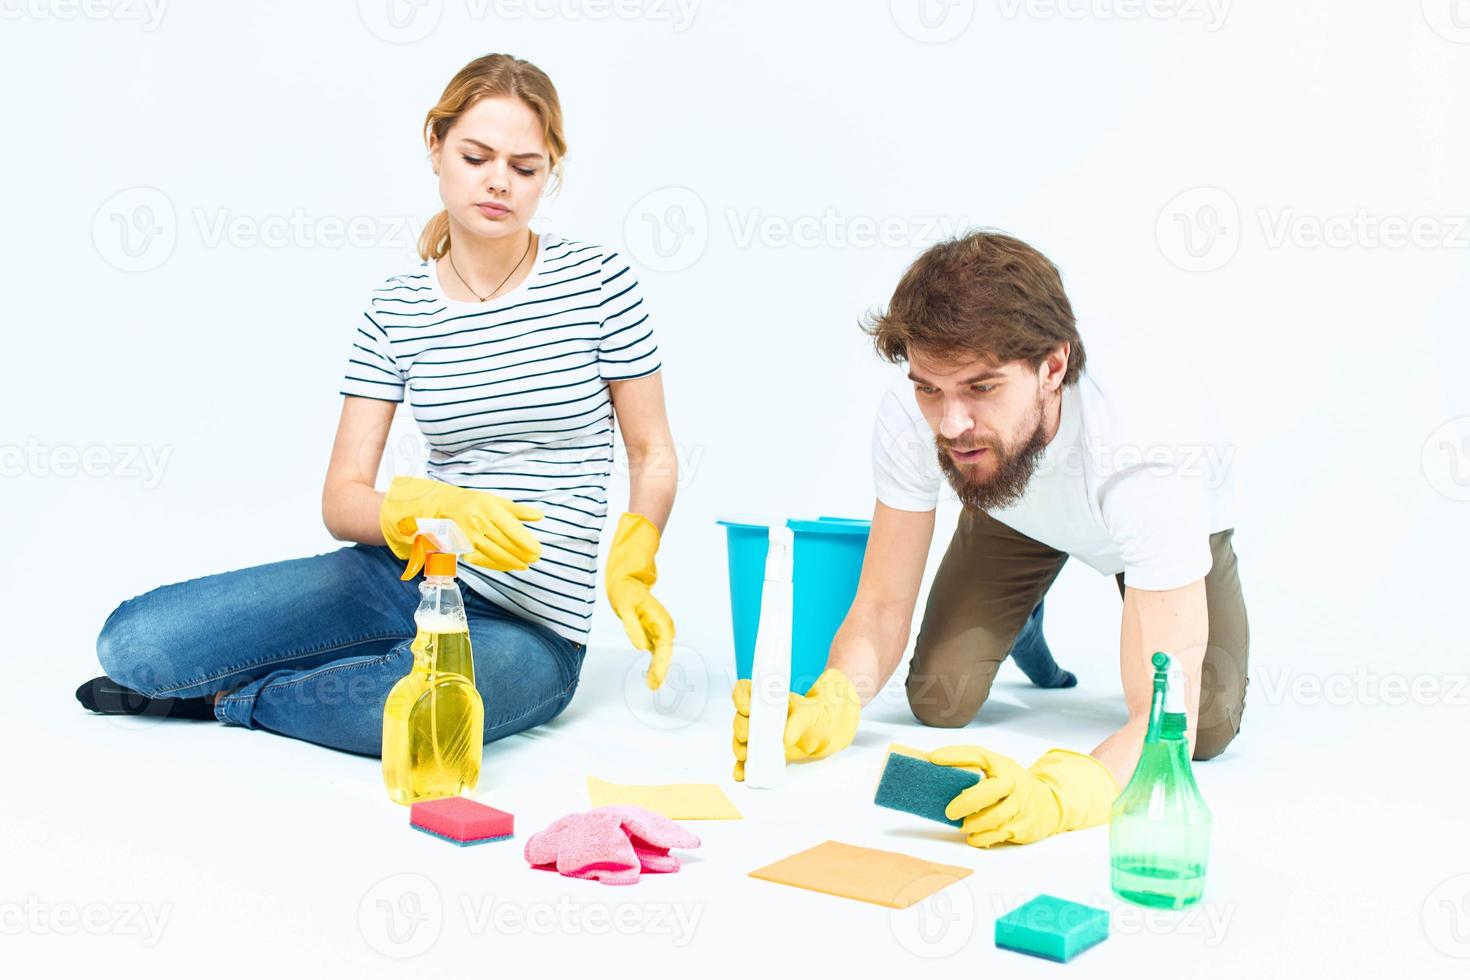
<point x="435" y="536"/>
<point x="422" y="545"/>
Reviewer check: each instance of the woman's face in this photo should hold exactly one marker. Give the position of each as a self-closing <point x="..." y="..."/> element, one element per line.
<point x="493" y="165"/>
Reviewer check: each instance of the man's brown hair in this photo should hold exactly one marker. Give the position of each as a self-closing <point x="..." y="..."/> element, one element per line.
<point x="985" y="294"/>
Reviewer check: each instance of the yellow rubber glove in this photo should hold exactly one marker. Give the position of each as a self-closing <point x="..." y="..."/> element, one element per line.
<point x="1063" y="790"/>
<point x="492" y="523"/>
<point x="822" y="722"/>
<point x="630" y="577"/>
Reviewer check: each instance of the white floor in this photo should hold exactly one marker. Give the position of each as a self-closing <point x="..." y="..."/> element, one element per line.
<point x="174" y="846"/>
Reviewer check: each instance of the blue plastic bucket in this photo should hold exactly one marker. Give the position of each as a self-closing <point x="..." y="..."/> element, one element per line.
<point x="828" y="562"/>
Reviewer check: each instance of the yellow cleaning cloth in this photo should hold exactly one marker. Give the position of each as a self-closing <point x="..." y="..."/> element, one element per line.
<point x="677" y="801"/>
<point x="864" y="873"/>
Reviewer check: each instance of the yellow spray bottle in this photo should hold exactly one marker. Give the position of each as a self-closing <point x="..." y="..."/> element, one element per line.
<point x="434" y="720"/>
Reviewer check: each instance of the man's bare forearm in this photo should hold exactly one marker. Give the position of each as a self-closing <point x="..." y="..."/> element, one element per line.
<point x="868" y="648"/>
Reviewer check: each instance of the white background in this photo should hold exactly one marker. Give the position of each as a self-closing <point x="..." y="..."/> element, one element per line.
<point x="1233" y="183"/>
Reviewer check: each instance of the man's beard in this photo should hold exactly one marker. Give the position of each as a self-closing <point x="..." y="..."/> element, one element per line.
<point x="1014" y="468"/>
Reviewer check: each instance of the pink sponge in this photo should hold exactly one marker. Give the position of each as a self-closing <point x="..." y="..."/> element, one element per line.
<point x="461" y="821"/>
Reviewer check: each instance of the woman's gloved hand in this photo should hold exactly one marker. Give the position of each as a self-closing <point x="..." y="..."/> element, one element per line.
<point x="492" y="523"/>
<point x="1063" y="790"/>
<point x="817" y="725"/>
<point x="630" y="577"/>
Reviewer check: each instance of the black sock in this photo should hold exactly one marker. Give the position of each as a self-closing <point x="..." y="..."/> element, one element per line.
<point x="106" y="696"/>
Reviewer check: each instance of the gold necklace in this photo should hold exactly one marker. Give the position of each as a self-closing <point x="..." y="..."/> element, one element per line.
<point x="449" y="254"/>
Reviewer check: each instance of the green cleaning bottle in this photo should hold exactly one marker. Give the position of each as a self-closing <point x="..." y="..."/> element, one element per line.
<point x="1160" y="831"/>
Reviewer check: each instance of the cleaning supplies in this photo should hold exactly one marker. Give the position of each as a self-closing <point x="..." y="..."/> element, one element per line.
<point x="1160" y="831"/>
<point x="1052" y="928"/>
<point x="1061" y="791"/>
<point x="866" y="874"/>
<point x="912" y="784"/>
<point x="770" y="678"/>
<point x="821" y="722"/>
<point x="434" y="720"/>
<point x="677" y="801"/>
<point x="461" y="821"/>
<point x="610" y="844"/>
<point x="501" y="540"/>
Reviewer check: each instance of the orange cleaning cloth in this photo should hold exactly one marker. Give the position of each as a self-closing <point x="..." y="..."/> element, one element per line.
<point x="864" y="873"/>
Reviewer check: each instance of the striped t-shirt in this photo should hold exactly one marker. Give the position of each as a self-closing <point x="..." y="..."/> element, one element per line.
<point x="512" y="397"/>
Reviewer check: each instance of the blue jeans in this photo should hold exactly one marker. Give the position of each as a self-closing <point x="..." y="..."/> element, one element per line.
<point x="310" y="647"/>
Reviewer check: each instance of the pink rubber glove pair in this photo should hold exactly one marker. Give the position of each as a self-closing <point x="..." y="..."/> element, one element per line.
<point x="610" y="844"/>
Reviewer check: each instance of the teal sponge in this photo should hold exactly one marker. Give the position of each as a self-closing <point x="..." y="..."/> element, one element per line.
<point x="916" y="785"/>
<point x="1052" y="928"/>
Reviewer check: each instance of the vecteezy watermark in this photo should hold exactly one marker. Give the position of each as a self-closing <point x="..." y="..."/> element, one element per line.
<point x="1450" y="19"/>
<point x="137" y="229"/>
<point x="300" y="229"/>
<point x="1362" y="229"/>
<point x="1446" y="917"/>
<point x="932" y="21"/>
<point x="832" y="229"/>
<point x="668" y="230"/>
<point x="682" y="697"/>
<point x="1361" y="686"/>
<point x="675" y="921"/>
<point x="37" y="917"/>
<point x="940" y="925"/>
<point x="403" y="916"/>
<point x="1201" y="229"/>
<point x="1446" y="459"/>
<point x="148" y="14"/>
<point x="407" y="21"/>
<point x="97" y="461"/>
<point x="1210" y="13"/>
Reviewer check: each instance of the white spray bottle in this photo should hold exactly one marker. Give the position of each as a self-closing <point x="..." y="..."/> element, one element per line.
<point x="770" y="674"/>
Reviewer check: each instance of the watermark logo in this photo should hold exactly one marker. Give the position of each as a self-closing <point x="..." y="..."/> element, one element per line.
<point x="96" y="461"/>
<point x="939" y="926"/>
<point x="136" y="229"/>
<point x="1450" y="19"/>
<point x="401" y="916"/>
<point x="1446" y="459"/>
<point x="400" y="21"/>
<point x="1210" y="13"/>
<point x="1199" y="230"/>
<point x="932" y="21"/>
<point x="37" y="917"/>
<point x="676" y="922"/>
<point x="147" y="14"/>
<point x="682" y="697"/>
<point x="1446" y="917"/>
<point x="667" y="230"/>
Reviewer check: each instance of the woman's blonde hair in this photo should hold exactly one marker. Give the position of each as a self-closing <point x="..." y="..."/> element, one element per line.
<point x="491" y="76"/>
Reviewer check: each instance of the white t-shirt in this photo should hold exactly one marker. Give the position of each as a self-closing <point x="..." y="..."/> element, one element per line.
<point x="1136" y="479"/>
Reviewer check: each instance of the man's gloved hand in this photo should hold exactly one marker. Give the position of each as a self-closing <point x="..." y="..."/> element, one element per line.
<point x="1063" y="790"/>
<point x="630" y="577"/>
<point x="492" y="523"/>
<point x="822" y="722"/>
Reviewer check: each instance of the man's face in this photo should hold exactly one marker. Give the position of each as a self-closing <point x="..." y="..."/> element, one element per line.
<point x="989" y="422"/>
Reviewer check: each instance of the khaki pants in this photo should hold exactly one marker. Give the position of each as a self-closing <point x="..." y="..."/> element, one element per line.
<point x="989" y="581"/>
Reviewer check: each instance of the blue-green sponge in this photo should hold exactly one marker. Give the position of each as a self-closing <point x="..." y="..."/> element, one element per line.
<point x="915" y="785"/>
<point x="1052" y="928"/>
